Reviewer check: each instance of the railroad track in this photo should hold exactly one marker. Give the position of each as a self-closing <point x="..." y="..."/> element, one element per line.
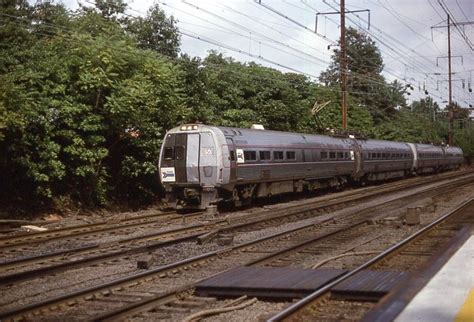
<point x="117" y="226"/>
<point x="34" y="266"/>
<point x="412" y="254"/>
<point x="23" y="242"/>
<point x="158" y="286"/>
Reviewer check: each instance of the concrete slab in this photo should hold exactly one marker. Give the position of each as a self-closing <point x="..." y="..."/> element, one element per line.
<point x="443" y="298"/>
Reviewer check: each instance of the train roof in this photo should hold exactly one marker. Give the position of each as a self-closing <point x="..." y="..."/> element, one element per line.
<point x="242" y="136"/>
<point x="428" y="147"/>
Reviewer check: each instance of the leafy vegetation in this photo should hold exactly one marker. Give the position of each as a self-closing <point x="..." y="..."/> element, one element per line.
<point x="86" y="97"/>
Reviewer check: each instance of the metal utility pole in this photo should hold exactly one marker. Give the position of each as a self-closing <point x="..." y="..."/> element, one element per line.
<point x="343" y="67"/>
<point x="450" y="101"/>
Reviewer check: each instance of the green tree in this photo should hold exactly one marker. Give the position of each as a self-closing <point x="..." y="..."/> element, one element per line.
<point x="110" y="9"/>
<point x="425" y="105"/>
<point x="84" y="115"/>
<point x="364" y="79"/>
<point x="156" y="31"/>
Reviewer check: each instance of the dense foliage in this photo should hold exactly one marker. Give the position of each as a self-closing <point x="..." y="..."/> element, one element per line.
<point x="86" y="97"/>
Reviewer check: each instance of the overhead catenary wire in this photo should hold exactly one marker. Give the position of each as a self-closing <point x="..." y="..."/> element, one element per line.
<point x="411" y="49"/>
<point x="304" y="2"/>
<point x="149" y="54"/>
<point x="386" y="69"/>
<point x="316" y="59"/>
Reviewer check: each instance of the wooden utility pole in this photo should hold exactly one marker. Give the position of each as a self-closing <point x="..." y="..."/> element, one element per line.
<point x="343" y="55"/>
<point x="343" y="67"/>
<point x="450" y="101"/>
<point x="450" y="87"/>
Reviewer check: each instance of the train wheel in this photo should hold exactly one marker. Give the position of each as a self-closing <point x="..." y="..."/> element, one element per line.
<point x="236" y="198"/>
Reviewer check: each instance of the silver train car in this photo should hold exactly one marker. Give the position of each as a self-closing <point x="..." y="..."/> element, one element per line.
<point x="202" y="165"/>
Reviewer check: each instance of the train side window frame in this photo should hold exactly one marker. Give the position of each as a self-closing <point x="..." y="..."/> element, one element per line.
<point x="340" y="155"/>
<point x="264" y="155"/>
<point x="168" y="153"/>
<point x="290" y="155"/>
<point x="250" y="155"/>
<point x="324" y="155"/>
<point x="278" y="156"/>
<point x="332" y="155"/>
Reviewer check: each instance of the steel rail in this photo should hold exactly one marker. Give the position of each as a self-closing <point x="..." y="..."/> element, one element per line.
<point x="81" y="230"/>
<point x="286" y="313"/>
<point x="194" y="232"/>
<point x="132" y="279"/>
<point x="9" y="242"/>
<point x="143" y="305"/>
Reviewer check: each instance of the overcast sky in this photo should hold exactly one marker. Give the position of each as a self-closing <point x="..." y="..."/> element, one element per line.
<point x="282" y="35"/>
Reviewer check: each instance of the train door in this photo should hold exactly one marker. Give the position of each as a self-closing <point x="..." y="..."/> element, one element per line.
<point x="232" y="159"/>
<point x="180" y="157"/>
<point x="356" y="156"/>
<point x="358" y="162"/>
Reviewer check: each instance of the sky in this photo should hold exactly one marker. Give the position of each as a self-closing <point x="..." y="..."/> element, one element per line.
<point x="282" y="34"/>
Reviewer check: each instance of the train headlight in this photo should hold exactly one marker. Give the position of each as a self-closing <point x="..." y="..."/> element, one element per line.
<point x="188" y="127"/>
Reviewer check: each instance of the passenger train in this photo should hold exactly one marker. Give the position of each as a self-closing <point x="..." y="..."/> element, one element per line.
<point x="202" y="165"/>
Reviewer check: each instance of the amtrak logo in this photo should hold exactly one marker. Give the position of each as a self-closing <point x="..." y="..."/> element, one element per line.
<point x="168" y="175"/>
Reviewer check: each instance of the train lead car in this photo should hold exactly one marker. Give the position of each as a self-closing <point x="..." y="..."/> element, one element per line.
<point x="201" y="165"/>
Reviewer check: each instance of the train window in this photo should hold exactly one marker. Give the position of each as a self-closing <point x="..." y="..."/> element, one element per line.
<point x="340" y="155"/>
<point x="290" y="155"/>
<point x="379" y="155"/>
<point x="346" y="155"/>
<point x="332" y="155"/>
<point x="264" y="155"/>
<point x="232" y="155"/>
<point x="168" y="154"/>
<point x="277" y="155"/>
<point x="250" y="155"/>
<point x="179" y="152"/>
<point x="324" y="155"/>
